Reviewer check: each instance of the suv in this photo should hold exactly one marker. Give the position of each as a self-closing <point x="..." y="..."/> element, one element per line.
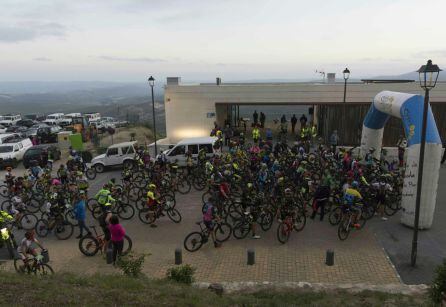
<point x="10" y="120"/>
<point x="35" y="154"/>
<point x="12" y="153"/>
<point x="117" y="154"/>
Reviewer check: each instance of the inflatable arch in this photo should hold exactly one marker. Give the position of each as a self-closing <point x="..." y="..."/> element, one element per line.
<point x="409" y="108"/>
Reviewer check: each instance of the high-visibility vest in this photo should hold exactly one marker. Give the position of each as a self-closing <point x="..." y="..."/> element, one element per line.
<point x="313" y="131"/>
<point x="255" y="133"/>
<point x="303" y="132"/>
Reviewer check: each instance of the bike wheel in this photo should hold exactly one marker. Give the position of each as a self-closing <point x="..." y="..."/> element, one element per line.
<point x="241" y="230"/>
<point x="91" y="204"/>
<point x="193" y="241"/>
<point x="174" y="215"/>
<point x="126" y="211"/>
<point x="222" y="232"/>
<point x="42" y="228"/>
<point x="266" y="221"/>
<point x="283" y="233"/>
<point x="390" y="210"/>
<point x="146" y="216"/>
<point x="368" y="212"/>
<point x="33" y="205"/>
<point x="91" y="173"/>
<point x="71" y="218"/>
<point x="206" y="196"/>
<point x="4" y="191"/>
<point x="184" y="186"/>
<point x="335" y="216"/>
<point x="6" y="205"/>
<point x="63" y="230"/>
<point x="97" y="212"/>
<point x="89" y="245"/>
<point x="28" y="221"/>
<point x="169" y="199"/>
<point x="134" y="194"/>
<point x="344" y="230"/>
<point x="127" y="245"/>
<point x="43" y="270"/>
<point x="199" y="183"/>
<point x="300" y="222"/>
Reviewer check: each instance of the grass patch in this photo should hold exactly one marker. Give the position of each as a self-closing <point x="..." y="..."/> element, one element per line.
<point x="118" y="290"/>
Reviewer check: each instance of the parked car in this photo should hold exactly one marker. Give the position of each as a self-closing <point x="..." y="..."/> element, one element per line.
<point x="10" y="138"/>
<point x="26" y="123"/>
<point x="54" y="119"/>
<point x="2" y="129"/>
<point x="177" y="153"/>
<point x="12" y="153"/>
<point x="35" y="154"/>
<point x="117" y="154"/>
<point x="16" y="129"/>
<point x="10" y="119"/>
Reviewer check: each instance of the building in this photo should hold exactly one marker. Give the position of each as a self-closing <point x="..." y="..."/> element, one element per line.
<point x="191" y="110"/>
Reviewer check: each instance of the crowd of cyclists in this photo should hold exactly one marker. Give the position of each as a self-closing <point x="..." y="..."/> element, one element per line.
<point x="245" y="188"/>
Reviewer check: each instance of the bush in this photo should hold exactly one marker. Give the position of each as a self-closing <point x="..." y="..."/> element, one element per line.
<point x="182" y="274"/>
<point x="131" y="264"/>
<point x="437" y="291"/>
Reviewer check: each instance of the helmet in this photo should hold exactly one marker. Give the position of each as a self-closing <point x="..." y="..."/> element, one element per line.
<point x="227" y="173"/>
<point x="249" y="185"/>
<point x="152" y="186"/>
<point x="355" y="184"/>
<point x="9" y="168"/>
<point x="288" y="191"/>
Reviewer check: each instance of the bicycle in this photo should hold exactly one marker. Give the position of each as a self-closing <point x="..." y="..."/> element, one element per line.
<point x="63" y="228"/>
<point x="347" y="222"/>
<point x="149" y="216"/>
<point x="195" y="240"/>
<point x="90" y="244"/>
<point x="295" y="220"/>
<point x="38" y="266"/>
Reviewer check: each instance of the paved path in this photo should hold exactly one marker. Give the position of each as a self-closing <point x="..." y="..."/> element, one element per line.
<point x="360" y="259"/>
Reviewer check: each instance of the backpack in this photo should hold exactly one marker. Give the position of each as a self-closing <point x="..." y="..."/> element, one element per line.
<point x="207" y="212"/>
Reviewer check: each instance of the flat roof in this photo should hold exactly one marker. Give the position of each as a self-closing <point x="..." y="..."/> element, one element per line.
<point x="122" y="144"/>
<point x="198" y="140"/>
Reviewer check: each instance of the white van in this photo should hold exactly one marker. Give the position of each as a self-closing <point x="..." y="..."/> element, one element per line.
<point x="68" y="118"/>
<point x="117" y="154"/>
<point x="177" y="153"/>
<point x="54" y="119"/>
<point x="10" y="120"/>
<point x="12" y="153"/>
<point x="93" y="117"/>
<point x="10" y="138"/>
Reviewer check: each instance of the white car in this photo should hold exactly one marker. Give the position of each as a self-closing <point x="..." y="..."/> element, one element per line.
<point x="54" y="119"/>
<point x="12" y="153"/>
<point x="10" y="120"/>
<point x="117" y="154"/>
<point x="194" y="145"/>
<point x="2" y="129"/>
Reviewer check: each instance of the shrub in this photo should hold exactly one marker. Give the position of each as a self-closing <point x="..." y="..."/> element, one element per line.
<point x="437" y="291"/>
<point x="182" y="274"/>
<point x="131" y="264"/>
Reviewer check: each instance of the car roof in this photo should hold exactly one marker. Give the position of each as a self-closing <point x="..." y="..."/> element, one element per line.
<point x="198" y="140"/>
<point x="122" y="144"/>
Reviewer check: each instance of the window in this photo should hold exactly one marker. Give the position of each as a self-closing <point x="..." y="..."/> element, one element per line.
<point x="179" y="150"/>
<point x="20" y="145"/>
<point x="208" y="147"/>
<point x="16" y="147"/>
<point x="193" y="149"/>
<point x="127" y="150"/>
<point x="131" y="150"/>
<point x="112" y="151"/>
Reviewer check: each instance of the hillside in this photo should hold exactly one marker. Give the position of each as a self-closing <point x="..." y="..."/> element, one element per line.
<point x="116" y="290"/>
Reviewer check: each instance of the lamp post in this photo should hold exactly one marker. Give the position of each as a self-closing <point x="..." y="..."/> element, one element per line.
<point x="346" y="74"/>
<point x="152" y="84"/>
<point x="428" y="79"/>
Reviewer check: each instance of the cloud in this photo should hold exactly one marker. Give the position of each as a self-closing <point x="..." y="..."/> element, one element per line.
<point x="126" y="59"/>
<point x="42" y="59"/>
<point x="30" y="31"/>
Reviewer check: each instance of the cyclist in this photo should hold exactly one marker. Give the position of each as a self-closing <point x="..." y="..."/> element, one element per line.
<point x="26" y="248"/>
<point x="104" y="221"/>
<point x="210" y="215"/>
<point x="17" y="209"/>
<point x="381" y="187"/>
<point x="250" y="200"/>
<point x="351" y="198"/>
<point x="104" y="196"/>
<point x="152" y="202"/>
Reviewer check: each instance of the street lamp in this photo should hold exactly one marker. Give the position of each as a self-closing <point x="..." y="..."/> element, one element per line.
<point x="428" y="79"/>
<point x="346" y="73"/>
<point x="152" y="84"/>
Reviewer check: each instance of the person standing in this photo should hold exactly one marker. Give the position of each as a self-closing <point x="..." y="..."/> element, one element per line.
<point x="262" y="120"/>
<point x="255" y="117"/>
<point x="79" y="213"/>
<point x="334" y="140"/>
<point x="117" y="236"/>
<point x="293" y="123"/>
<point x="402" y="144"/>
<point x="303" y="120"/>
<point x="283" y="119"/>
<point x="255" y="134"/>
<point x="229" y="133"/>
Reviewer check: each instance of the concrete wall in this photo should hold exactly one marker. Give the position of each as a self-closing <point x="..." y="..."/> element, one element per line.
<point x="189" y="107"/>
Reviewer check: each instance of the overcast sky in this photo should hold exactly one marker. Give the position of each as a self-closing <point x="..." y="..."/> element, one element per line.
<point x="128" y="40"/>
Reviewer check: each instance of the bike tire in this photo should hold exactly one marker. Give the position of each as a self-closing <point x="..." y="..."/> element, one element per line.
<point x="193" y="241"/>
<point x="28" y="221"/>
<point x="33" y="205"/>
<point x="184" y="186"/>
<point x="266" y="221"/>
<point x="283" y="233"/>
<point x="128" y="244"/>
<point x="41" y="228"/>
<point x="126" y="211"/>
<point x="6" y="205"/>
<point x="89" y="245"/>
<point x="335" y="216"/>
<point x="299" y="222"/>
<point x="91" y="204"/>
<point x="64" y="230"/>
<point x="43" y="269"/>
<point x="71" y="218"/>
<point x="241" y="230"/>
<point x="206" y="196"/>
<point x="343" y="230"/>
<point x="222" y="232"/>
<point x="4" y="191"/>
<point x="174" y="215"/>
<point x="145" y="217"/>
<point x="91" y="173"/>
